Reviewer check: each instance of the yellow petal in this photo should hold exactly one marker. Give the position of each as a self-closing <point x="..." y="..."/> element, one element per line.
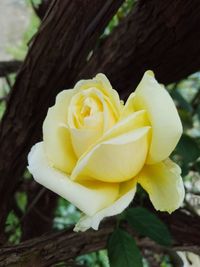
<point x="163" y="183"/>
<point x="88" y="197"/>
<point x="83" y="139"/>
<point x="134" y="121"/>
<point x="116" y="160"/>
<point x="129" y="107"/>
<point x="126" y="195"/>
<point x="89" y="119"/>
<point x="57" y="139"/>
<point x="109" y="91"/>
<point x="101" y="83"/>
<point x="162" y="113"/>
<point x="86" y="104"/>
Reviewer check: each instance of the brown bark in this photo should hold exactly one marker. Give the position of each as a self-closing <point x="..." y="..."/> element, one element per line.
<point x="170" y="19"/>
<point x="68" y="32"/>
<point x="160" y="35"/>
<point x="64" y="245"/>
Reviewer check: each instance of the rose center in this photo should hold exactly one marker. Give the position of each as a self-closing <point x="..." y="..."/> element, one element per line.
<point x="85" y="110"/>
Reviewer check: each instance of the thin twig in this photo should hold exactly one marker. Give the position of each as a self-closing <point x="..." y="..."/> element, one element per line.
<point x="32" y="204"/>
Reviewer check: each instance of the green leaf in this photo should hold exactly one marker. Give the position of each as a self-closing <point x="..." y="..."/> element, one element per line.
<point x="198" y="112"/>
<point x="123" y="251"/>
<point x="186" y="118"/>
<point x="147" y="224"/>
<point x="186" y="153"/>
<point x="188" y="149"/>
<point x="181" y="101"/>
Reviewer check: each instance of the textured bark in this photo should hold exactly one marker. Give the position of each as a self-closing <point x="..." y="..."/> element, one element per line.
<point x="68" y="32"/>
<point x="160" y="35"/>
<point x="53" y="248"/>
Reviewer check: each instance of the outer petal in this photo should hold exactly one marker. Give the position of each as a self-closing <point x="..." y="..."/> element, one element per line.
<point x="116" y="160"/>
<point x="57" y="139"/>
<point x="88" y="197"/>
<point x="127" y="192"/>
<point x="164" y="185"/>
<point x="164" y="118"/>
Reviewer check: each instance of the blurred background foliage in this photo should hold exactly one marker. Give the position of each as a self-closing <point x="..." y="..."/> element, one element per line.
<point x="186" y="94"/>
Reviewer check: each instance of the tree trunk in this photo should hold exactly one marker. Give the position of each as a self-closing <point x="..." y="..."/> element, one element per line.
<point x="159" y="35"/>
<point x="68" y="33"/>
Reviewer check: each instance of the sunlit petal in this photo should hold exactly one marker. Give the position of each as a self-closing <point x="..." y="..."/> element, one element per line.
<point x="163" y="183"/>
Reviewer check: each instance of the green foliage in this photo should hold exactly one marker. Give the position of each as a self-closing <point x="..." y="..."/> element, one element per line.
<point x="188" y="150"/>
<point x="123" y="251"/>
<point x="66" y="215"/>
<point x="4" y="90"/>
<point x="35" y="2"/>
<point x="13" y="229"/>
<point x="166" y="262"/>
<point x="186" y="94"/>
<point x="148" y="224"/>
<point x="27" y="176"/>
<point x="183" y="104"/>
<point x="95" y="259"/>
<point x="2" y="108"/>
<point x="13" y="223"/>
<point x="21" y="200"/>
<point x="122" y="12"/>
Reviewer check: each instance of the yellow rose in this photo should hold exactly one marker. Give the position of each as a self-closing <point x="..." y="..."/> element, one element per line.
<point x="96" y="149"/>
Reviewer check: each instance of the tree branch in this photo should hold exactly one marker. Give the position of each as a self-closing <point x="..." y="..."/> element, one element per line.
<point x="7" y="67"/>
<point x="64" y="245"/>
<point x="160" y="35"/>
